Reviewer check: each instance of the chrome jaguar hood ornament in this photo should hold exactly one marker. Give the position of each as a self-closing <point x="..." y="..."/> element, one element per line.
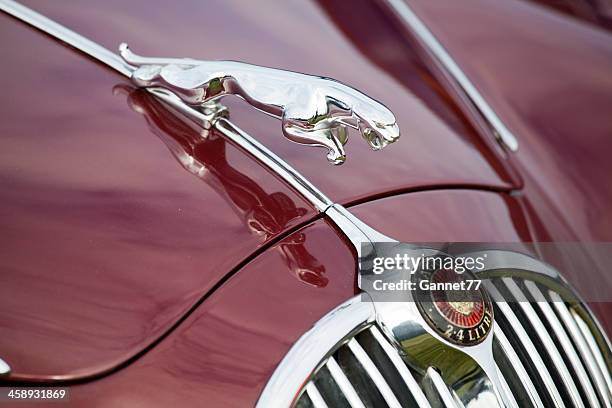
<point x="314" y="110"/>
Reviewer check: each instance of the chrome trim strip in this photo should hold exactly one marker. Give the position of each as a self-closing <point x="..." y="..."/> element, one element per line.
<point x="514" y="359"/>
<point x="343" y="383"/>
<point x="353" y="228"/>
<point x="370" y="368"/>
<point x="357" y="232"/>
<point x="506" y="388"/>
<point x="503" y="134"/>
<point x="527" y="344"/>
<point x="565" y="342"/>
<point x="274" y="163"/>
<point x="315" y="396"/>
<point x="583" y="348"/>
<point x="548" y="343"/>
<point x="586" y="332"/>
<point x="433" y="382"/>
<point x="66" y="35"/>
<point x="401" y="368"/>
<point x="312" y="348"/>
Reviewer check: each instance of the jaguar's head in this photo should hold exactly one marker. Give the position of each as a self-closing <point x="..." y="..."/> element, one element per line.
<point x="377" y="124"/>
<point x="378" y="135"/>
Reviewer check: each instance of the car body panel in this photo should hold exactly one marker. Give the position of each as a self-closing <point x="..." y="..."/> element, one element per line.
<point x="124" y="269"/>
<point x="547" y="76"/>
<point x="225" y="351"/>
<point x="598" y="13"/>
<point x="300" y="36"/>
<point x="108" y="239"/>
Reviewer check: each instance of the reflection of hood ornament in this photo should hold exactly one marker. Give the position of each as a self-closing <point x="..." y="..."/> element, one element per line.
<point x="203" y="154"/>
<point x="314" y="110"/>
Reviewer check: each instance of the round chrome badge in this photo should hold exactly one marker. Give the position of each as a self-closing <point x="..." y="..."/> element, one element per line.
<point x="455" y="305"/>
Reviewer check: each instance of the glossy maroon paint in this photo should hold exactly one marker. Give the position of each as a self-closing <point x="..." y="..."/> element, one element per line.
<point x="225" y="351"/>
<point x="386" y="45"/>
<point x="598" y="13"/>
<point x="301" y="36"/>
<point x="108" y="239"/>
<point x="547" y="75"/>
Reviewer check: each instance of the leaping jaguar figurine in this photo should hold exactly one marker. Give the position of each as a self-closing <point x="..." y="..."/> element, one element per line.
<point x="314" y="110"/>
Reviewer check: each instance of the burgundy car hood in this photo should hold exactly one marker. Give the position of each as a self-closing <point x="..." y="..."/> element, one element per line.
<point x="111" y="233"/>
<point x="547" y="76"/>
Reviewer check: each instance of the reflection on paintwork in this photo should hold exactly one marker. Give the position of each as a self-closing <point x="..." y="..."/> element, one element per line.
<point x="202" y="153"/>
<point x="431" y="152"/>
<point x="595" y="13"/>
<point x="384" y="45"/>
<point x="105" y="242"/>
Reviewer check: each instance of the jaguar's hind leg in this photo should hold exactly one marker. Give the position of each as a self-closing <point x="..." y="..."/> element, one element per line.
<point x="330" y="135"/>
<point x="311" y="124"/>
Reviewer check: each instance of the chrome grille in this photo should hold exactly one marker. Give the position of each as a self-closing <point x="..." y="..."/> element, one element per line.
<point x="549" y="346"/>
<point x="546" y="354"/>
<point x="365" y="371"/>
<point x="547" y="351"/>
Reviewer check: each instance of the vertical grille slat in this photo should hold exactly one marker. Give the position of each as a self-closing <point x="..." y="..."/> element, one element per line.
<point x="401" y="368"/>
<point x="345" y="385"/>
<point x="506" y="388"/>
<point x="437" y="391"/>
<point x="583" y="348"/>
<point x="514" y="359"/>
<point x="584" y="328"/>
<point x="515" y="324"/>
<point x="315" y="396"/>
<point x="328" y="388"/>
<point x="565" y="342"/>
<point x="374" y="374"/>
<point x="547" y="343"/>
